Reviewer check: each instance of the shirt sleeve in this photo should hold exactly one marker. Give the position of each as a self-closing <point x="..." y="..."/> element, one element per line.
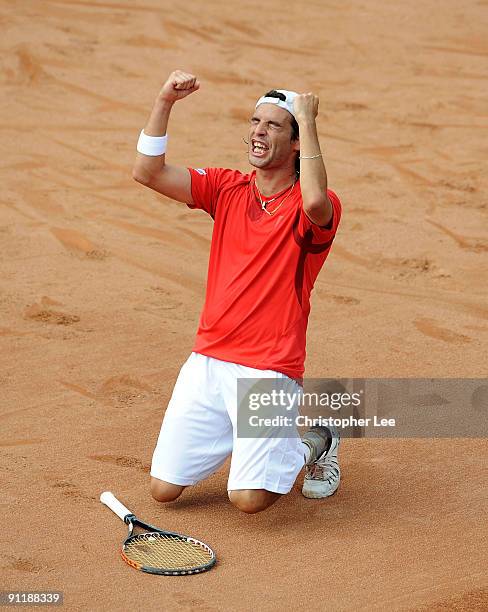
<point x="327" y="232"/>
<point x="206" y="184"/>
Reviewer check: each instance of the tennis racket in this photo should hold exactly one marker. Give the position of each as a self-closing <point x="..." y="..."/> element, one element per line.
<point x="156" y="551"/>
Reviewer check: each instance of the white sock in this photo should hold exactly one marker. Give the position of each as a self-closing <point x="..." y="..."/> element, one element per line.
<point x="306" y="452"/>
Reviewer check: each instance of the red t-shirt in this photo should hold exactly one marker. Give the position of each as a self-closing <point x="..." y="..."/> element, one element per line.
<point x="261" y="272"/>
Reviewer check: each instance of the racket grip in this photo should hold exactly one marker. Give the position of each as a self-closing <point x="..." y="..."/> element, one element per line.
<point x="113" y="503"/>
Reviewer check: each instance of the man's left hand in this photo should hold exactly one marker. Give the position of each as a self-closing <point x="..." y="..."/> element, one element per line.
<point x="306" y="107"/>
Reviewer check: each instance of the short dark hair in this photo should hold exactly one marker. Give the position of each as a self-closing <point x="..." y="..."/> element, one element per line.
<point x="295" y="132"/>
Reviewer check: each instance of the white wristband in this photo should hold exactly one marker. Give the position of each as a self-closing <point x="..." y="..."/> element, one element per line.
<point x="151" y="145"/>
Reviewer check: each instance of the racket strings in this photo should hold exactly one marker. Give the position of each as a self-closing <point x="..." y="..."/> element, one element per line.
<point x="162" y="551"/>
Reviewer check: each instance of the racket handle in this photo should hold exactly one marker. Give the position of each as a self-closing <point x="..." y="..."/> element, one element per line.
<point x="113" y="503"/>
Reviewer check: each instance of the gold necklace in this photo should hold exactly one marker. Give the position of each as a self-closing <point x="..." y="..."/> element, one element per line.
<point x="264" y="204"/>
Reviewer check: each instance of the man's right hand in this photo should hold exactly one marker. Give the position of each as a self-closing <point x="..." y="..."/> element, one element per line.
<point x="179" y="85"/>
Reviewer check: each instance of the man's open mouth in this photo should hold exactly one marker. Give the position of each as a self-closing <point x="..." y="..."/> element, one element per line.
<point x="258" y="148"/>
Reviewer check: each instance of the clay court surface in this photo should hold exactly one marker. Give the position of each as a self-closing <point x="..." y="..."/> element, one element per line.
<point x="102" y="282"/>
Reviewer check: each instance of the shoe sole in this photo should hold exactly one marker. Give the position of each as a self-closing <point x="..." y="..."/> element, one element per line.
<point x="316" y="495"/>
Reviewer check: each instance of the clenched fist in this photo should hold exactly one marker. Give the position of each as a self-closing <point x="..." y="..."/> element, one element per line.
<point x="306" y="107"/>
<point x="179" y="85"/>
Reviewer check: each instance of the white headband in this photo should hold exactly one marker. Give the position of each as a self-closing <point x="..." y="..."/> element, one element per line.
<point x="287" y="105"/>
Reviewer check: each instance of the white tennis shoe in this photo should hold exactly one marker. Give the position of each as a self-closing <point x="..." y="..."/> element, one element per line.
<point x="323" y="476"/>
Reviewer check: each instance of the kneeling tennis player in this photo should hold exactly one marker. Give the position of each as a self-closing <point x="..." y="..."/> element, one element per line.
<point x="273" y="230"/>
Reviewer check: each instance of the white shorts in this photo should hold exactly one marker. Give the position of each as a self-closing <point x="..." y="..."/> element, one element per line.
<point x="199" y="432"/>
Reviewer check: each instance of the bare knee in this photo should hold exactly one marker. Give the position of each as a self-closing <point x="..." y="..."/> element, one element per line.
<point x="252" y="501"/>
<point x="163" y="491"/>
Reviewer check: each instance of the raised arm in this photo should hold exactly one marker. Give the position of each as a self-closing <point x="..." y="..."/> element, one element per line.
<point x="313" y="176"/>
<point x="152" y="170"/>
